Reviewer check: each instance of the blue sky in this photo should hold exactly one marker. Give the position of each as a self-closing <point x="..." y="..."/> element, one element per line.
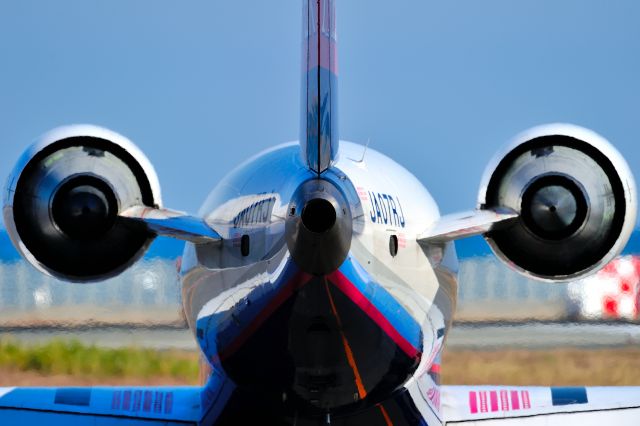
<point x="201" y="85"/>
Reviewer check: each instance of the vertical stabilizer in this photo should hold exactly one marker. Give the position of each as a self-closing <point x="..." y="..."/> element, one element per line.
<point x="319" y="121"/>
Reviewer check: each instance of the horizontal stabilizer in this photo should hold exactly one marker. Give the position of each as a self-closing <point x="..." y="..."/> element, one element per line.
<point x="174" y="224"/>
<point x="534" y="405"/>
<point x="106" y="406"/>
<point x="467" y="224"/>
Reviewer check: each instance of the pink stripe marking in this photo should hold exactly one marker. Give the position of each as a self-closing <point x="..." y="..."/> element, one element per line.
<point x="493" y="395"/>
<point x="525" y="399"/>
<point x="473" y="402"/>
<point x="483" y="402"/>
<point x="148" y="399"/>
<point x="115" y="400"/>
<point x="504" y="400"/>
<point x="352" y="292"/>
<point x="515" y="401"/>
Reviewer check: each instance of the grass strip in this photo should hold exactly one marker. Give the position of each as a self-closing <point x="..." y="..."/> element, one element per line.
<point x="549" y="367"/>
<point x="72" y="358"/>
<point x="557" y="367"/>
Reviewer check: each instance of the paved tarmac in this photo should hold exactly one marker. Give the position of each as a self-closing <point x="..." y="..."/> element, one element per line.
<point x="484" y="337"/>
<point x="543" y="336"/>
<point x="111" y="337"/>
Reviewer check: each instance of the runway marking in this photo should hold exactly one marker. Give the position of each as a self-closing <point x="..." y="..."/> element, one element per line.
<point x="387" y="419"/>
<point x="343" y="283"/>
<point x="362" y="393"/>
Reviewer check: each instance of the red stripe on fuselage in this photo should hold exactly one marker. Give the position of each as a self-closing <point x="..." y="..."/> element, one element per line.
<point x="352" y="292"/>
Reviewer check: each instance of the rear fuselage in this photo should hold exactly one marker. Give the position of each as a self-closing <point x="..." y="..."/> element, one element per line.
<point x="348" y="337"/>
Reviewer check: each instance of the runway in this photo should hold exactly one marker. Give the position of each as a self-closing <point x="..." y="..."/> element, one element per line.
<point x="543" y="336"/>
<point x="462" y="336"/>
<point x="162" y="338"/>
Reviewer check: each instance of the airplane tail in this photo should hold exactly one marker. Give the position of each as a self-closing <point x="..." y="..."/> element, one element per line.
<point x="319" y="116"/>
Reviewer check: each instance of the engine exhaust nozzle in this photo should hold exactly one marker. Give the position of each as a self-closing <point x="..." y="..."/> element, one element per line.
<point x="318" y="227"/>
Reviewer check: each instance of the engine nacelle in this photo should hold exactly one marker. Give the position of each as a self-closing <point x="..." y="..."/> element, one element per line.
<point x="63" y="198"/>
<point x="576" y="198"/>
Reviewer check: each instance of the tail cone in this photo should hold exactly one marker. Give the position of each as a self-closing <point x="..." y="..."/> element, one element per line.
<point x="319" y="227"/>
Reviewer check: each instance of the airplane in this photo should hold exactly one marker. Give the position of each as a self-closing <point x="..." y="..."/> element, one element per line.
<point x="319" y="278"/>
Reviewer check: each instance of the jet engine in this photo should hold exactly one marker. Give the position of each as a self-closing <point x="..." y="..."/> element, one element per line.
<point x="63" y="198"/>
<point x="575" y="196"/>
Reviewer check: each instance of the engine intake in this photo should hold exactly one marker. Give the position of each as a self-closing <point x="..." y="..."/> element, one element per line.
<point x="575" y="196"/>
<point x="84" y="207"/>
<point x="64" y="196"/>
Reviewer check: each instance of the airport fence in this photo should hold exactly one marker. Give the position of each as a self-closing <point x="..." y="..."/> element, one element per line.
<point x="149" y="294"/>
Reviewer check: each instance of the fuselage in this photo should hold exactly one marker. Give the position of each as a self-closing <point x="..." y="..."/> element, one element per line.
<point x="350" y="337"/>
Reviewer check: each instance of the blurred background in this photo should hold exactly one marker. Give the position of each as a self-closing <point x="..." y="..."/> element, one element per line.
<point x="438" y="86"/>
<point x="507" y="329"/>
